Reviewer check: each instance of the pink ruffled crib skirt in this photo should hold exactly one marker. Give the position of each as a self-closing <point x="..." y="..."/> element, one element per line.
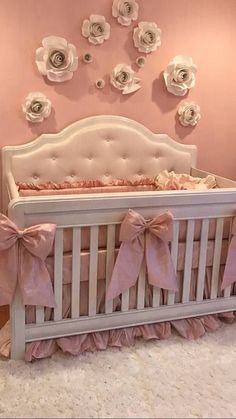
<point x="75" y="345"/>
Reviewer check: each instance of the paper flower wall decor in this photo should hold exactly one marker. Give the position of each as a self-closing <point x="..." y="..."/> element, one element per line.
<point x="180" y="75"/>
<point x="96" y="29"/>
<point x="123" y="78"/>
<point x="189" y="114"/>
<point x="36" y="107"/>
<point x="141" y="61"/>
<point x="100" y="83"/>
<point x="125" y="11"/>
<point x="87" y="58"/>
<point x="147" y="37"/>
<point x="56" y="59"/>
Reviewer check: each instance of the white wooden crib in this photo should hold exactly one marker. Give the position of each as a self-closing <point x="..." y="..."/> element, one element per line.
<point x="106" y="147"/>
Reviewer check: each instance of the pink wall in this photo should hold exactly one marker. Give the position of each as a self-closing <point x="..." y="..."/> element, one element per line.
<point x="204" y="29"/>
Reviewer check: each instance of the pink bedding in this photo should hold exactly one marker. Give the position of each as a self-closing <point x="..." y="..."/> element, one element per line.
<point x="164" y="181"/>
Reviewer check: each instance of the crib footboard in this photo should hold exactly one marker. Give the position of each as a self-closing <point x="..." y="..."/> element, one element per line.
<point x="202" y="227"/>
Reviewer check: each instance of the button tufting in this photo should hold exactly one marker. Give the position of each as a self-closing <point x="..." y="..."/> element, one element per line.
<point x="107" y="174"/>
<point x="108" y="139"/>
<point x="53" y="157"/>
<point x="35" y="177"/>
<point x="124" y="157"/>
<point x="72" y="175"/>
<point x="90" y="157"/>
<point x="140" y="173"/>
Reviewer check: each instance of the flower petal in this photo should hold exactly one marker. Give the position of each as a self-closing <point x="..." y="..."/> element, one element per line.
<point x="97" y="18"/>
<point x="59" y="76"/>
<point x="131" y="89"/>
<point x="124" y="21"/>
<point x="86" y="28"/>
<point x="53" y="41"/>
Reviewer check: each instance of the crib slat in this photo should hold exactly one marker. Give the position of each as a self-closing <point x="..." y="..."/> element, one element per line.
<point x="216" y="258"/>
<point x="93" y="264"/>
<point x="111" y="230"/>
<point x="202" y="259"/>
<point x="17" y="320"/>
<point x="174" y="255"/>
<point x="188" y="261"/>
<point x="227" y="290"/>
<point x="125" y="301"/>
<point x="39" y="314"/>
<point x="141" y="286"/>
<point x="58" y="273"/>
<point x="75" y="288"/>
<point x="156" y="297"/>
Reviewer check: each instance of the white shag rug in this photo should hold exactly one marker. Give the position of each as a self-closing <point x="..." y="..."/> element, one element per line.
<point x="160" y="379"/>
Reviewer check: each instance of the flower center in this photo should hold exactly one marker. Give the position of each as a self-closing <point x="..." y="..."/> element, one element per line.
<point x="122" y="77"/>
<point x="148" y="38"/>
<point x="88" y="57"/>
<point x="126" y="9"/>
<point x="181" y="76"/>
<point x="57" y="58"/>
<point x="36" y="107"/>
<point x="189" y="113"/>
<point x="97" y="29"/>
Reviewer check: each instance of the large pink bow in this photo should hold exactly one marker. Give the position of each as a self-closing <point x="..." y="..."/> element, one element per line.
<point x="139" y="237"/>
<point x="230" y="266"/>
<point x="22" y="259"/>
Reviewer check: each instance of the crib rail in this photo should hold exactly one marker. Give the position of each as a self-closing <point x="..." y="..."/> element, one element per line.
<point x="89" y="310"/>
<point x="136" y="299"/>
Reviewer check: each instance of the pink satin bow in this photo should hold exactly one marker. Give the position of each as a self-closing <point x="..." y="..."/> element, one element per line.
<point x="139" y="237"/>
<point x="22" y="259"/>
<point x="230" y="266"/>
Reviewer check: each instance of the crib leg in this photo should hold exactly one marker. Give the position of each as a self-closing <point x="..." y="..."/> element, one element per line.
<point x="17" y="316"/>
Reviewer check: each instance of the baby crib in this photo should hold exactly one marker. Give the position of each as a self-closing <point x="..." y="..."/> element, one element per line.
<point x="106" y="148"/>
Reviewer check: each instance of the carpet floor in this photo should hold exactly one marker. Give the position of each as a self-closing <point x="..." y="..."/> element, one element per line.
<point x="174" y="378"/>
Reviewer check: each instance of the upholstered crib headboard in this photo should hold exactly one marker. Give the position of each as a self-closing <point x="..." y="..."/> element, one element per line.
<point x="100" y="147"/>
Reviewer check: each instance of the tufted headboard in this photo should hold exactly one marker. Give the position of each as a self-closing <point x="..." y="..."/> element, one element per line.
<point x="100" y="147"/>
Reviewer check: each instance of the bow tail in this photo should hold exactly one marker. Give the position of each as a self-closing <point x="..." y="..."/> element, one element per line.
<point x="230" y="266"/>
<point x="8" y="274"/>
<point x="161" y="272"/>
<point x="35" y="282"/>
<point x="127" y="267"/>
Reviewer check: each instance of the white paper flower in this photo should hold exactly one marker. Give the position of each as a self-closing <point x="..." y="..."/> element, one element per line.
<point x="56" y="59"/>
<point x="87" y="57"/>
<point x="147" y="37"/>
<point x="189" y="114"/>
<point x="123" y="78"/>
<point x="36" y="107"/>
<point x="141" y="61"/>
<point x="96" y="29"/>
<point x="180" y="75"/>
<point x="125" y="11"/>
<point x="100" y="83"/>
